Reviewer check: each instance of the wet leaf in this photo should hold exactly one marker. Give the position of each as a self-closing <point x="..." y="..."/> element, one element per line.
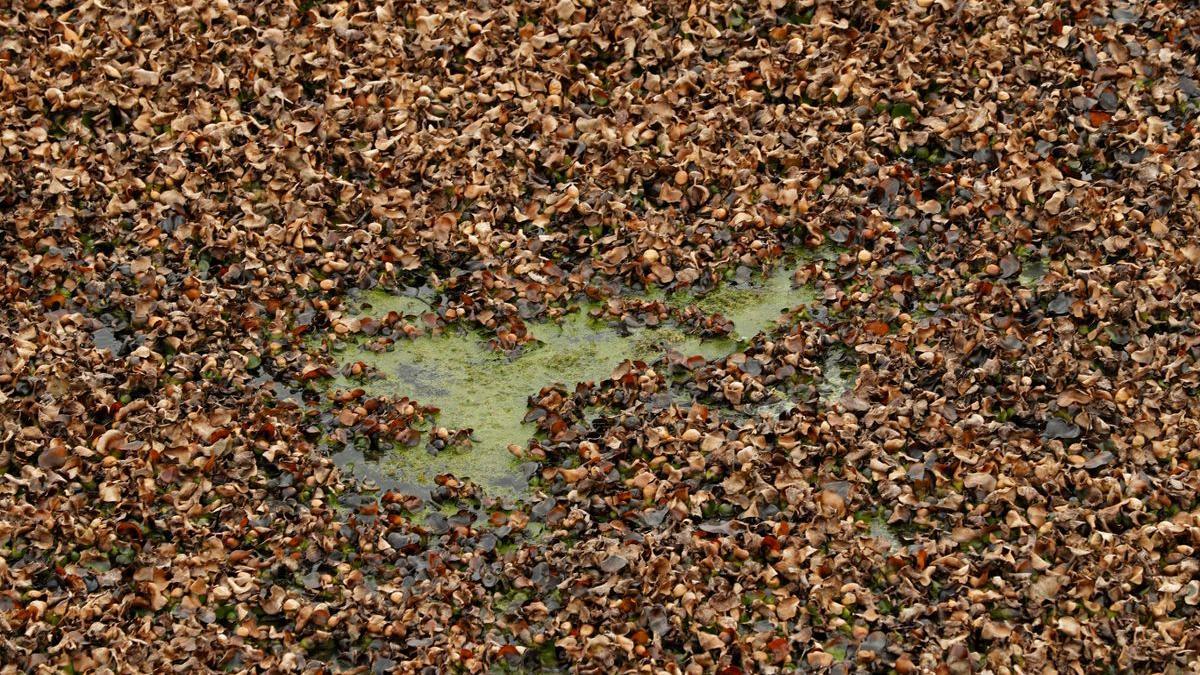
<point x="1057" y="427"/>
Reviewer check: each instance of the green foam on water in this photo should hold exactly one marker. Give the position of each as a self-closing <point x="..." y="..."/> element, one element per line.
<point x="478" y="388"/>
<point x="379" y="303"/>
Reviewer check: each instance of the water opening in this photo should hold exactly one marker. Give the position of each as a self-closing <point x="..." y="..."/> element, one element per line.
<point x="475" y="387"/>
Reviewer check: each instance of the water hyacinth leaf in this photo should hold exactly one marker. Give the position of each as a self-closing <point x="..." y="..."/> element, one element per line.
<point x="1056" y="427"/>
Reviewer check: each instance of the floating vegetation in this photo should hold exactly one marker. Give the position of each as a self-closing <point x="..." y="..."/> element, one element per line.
<point x="485" y="391"/>
<point x="410" y="302"/>
<point x="974" y="451"/>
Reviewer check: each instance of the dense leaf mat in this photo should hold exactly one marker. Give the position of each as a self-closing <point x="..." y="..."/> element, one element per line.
<point x="192" y="194"/>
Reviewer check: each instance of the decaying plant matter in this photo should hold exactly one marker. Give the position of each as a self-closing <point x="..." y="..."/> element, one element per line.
<point x="191" y="194"/>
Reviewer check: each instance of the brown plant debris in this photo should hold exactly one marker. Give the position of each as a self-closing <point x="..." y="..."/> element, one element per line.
<point x="192" y="194"/>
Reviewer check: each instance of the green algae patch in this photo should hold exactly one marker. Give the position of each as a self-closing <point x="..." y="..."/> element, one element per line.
<point x="475" y="387"/>
<point x="756" y="307"/>
<point x="410" y="302"/>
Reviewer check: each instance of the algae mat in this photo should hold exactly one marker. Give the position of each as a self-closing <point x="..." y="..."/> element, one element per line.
<point x="477" y="388"/>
